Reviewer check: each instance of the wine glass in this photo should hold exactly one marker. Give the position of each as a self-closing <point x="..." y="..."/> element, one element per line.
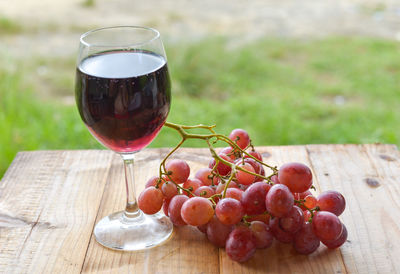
<point x="123" y="96"/>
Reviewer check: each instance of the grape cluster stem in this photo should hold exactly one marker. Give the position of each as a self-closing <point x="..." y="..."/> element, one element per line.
<point x="212" y="138"/>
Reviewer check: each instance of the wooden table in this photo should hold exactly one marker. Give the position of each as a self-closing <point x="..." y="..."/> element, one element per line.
<point x="51" y="200"/>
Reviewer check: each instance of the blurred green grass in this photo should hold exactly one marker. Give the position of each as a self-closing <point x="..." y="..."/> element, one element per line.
<point x="8" y="26"/>
<point x="335" y="90"/>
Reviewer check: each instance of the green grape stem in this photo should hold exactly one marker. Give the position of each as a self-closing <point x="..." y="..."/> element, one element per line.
<point x="162" y="165"/>
<point x="311" y="210"/>
<point x="245" y="222"/>
<point x="188" y="191"/>
<point x="211" y="138"/>
<point x="228" y="182"/>
<point x="245" y="217"/>
<point x="251" y="216"/>
<point x="211" y="198"/>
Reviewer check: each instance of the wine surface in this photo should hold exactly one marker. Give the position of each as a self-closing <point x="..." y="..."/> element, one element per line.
<point x="123" y="97"/>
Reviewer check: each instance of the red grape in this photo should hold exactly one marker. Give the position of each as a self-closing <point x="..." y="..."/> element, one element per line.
<point x="296" y="176"/>
<point x="222" y="168"/>
<point x="229" y="152"/>
<point x="191" y="184"/>
<point x="204" y="191"/>
<point x="310" y="201"/>
<point x="279" y="200"/>
<point x="305" y="241"/>
<point x="279" y="234"/>
<point x="292" y="221"/>
<point x="255" y="154"/>
<point x="258" y="168"/>
<point x="197" y="211"/>
<point x="327" y="226"/>
<point x="250" y="161"/>
<point x="331" y="201"/>
<point x="153" y="182"/>
<point x="174" y="209"/>
<point x="217" y="232"/>
<point x="229" y="211"/>
<point x="240" y="245"/>
<point x="262" y="173"/>
<point x="203" y="228"/>
<point x="234" y="193"/>
<point x="339" y="241"/>
<point x="240" y="137"/>
<point x="221" y="187"/>
<point x="262" y="234"/>
<point x="243" y="177"/>
<point x="150" y="200"/>
<point x="253" y="199"/>
<point x="169" y="190"/>
<point x="179" y="170"/>
<point x="165" y="206"/>
<point x="302" y="195"/>
<point x="206" y="177"/>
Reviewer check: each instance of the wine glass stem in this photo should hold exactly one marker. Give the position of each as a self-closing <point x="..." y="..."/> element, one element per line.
<point x="131" y="209"/>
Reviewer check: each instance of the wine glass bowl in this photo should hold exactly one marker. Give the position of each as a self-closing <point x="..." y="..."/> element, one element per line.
<point x="123" y="93"/>
<point x="123" y="96"/>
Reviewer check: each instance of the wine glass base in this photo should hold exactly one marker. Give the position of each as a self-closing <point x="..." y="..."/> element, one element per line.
<point x="119" y="232"/>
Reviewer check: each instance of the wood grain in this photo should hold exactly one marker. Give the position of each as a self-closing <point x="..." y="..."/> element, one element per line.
<point x="372" y="213"/>
<point x="51" y="200"/>
<point x="186" y="251"/>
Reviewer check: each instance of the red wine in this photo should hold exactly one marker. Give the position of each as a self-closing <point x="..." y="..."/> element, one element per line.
<point x="123" y="97"/>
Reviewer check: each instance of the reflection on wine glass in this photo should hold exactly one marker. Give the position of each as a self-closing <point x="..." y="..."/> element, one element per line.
<point x="123" y="97"/>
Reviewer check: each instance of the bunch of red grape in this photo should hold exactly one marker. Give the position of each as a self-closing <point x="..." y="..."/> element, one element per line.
<point x="238" y="207"/>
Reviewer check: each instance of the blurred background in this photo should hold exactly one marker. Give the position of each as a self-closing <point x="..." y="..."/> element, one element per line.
<point x="289" y="72"/>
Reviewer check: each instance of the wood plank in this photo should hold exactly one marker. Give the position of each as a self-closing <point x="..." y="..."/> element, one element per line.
<point x="281" y="258"/>
<point x="49" y="200"/>
<point x="188" y="251"/>
<point x="370" y="184"/>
